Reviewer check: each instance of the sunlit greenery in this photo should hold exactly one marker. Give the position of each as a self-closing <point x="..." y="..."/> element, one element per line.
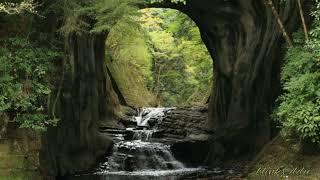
<point x="18" y="8"/>
<point x="97" y="16"/>
<point x="182" y="68"/>
<point x="167" y="51"/>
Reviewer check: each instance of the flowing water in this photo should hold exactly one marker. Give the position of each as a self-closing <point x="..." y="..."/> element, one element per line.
<point x="142" y="158"/>
<point x="147" y="114"/>
<point x="139" y="156"/>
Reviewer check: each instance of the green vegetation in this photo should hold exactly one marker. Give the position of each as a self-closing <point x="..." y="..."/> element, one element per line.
<point x="128" y="60"/>
<point x="299" y="109"/>
<point x="156" y="56"/>
<point x="29" y="55"/>
<point x="164" y="65"/>
<point x="17" y="8"/>
<point x="181" y="66"/>
<point x="165" y="55"/>
<point x="24" y="83"/>
<point x="96" y="16"/>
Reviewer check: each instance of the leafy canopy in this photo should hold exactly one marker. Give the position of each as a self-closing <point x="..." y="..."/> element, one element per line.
<point x="181" y="66"/>
<point x="18" y="8"/>
<point x="94" y="16"/>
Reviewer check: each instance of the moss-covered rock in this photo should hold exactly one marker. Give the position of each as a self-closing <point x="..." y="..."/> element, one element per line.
<point x="129" y="65"/>
<point x="19" y="158"/>
<point x="3" y="125"/>
<point x="280" y="160"/>
<point x="131" y="84"/>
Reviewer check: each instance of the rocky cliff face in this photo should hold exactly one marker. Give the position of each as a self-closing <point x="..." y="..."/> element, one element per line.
<point x="87" y="102"/>
<point x="245" y="43"/>
<point x="185" y="122"/>
<point x="186" y="128"/>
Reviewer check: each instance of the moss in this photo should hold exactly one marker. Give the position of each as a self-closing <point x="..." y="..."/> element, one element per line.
<point x="19" y="175"/>
<point x="131" y="84"/>
<point x="19" y="156"/>
<point x="129" y="60"/>
<point x="281" y="159"/>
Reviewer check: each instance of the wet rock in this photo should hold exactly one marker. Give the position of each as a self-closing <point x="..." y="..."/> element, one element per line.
<point x="152" y="122"/>
<point x="191" y="153"/>
<point x="129" y="164"/>
<point x="199" y="137"/>
<point x="140" y="156"/>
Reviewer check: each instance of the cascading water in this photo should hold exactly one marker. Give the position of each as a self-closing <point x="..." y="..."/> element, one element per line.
<point x="143" y="135"/>
<point x="138" y="154"/>
<point x="140" y="157"/>
<point x="146" y="114"/>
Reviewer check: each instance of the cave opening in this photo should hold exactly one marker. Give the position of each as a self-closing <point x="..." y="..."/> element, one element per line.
<point x="112" y="75"/>
<point x="162" y="74"/>
<point x="238" y="112"/>
<point x="158" y="59"/>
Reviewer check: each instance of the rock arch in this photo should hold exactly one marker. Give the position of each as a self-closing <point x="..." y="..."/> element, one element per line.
<point x="242" y="39"/>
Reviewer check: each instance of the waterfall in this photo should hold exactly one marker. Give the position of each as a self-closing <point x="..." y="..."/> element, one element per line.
<point x="143" y="135"/>
<point x="139" y="155"/>
<point x="142" y="120"/>
<point x="146" y="114"/>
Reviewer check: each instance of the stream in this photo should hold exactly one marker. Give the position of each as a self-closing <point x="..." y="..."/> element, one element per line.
<point x="138" y="155"/>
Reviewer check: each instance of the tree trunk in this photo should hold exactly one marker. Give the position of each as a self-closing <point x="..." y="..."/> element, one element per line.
<point x="279" y="21"/>
<point x="87" y="101"/>
<point x="303" y="21"/>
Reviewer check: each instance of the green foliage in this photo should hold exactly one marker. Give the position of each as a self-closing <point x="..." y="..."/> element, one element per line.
<point x="95" y="16"/>
<point x="169" y="70"/>
<point x="24" y="82"/>
<point x="299" y="109"/>
<point x="182" y="68"/>
<point x="129" y="61"/>
<point x="18" y="8"/>
<point x="166" y="57"/>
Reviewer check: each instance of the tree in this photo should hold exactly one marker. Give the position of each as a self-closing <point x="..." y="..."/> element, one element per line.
<point x="25" y="82"/>
<point x="18" y="8"/>
<point x="280" y="23"/>
<point x="303" y="20"/>
<point x="182" y="68"/>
